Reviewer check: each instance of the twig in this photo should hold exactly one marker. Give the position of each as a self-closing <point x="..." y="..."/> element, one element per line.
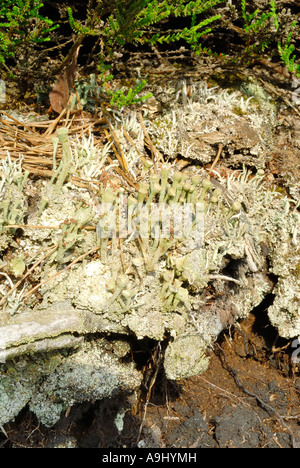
<point x="216" y="159"/>
<point x="128" y="137"/>
<point x="271" y="89"/>
<point x="226" y="278"/>
<point x="37" y="226"/>
<point x="123" y="174"/>
<point x="55" y="122"/>
<point x="29" y="226"/>
<point x="70" y="54"/>
<point x="4" y="431"/>
<point x="121" y="157"/>
<point x="22" y="124"/>
<point x="143" y="250"/>
<point x="223" y="390"/>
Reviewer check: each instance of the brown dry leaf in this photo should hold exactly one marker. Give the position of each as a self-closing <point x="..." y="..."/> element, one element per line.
<point x="60" y="94"/>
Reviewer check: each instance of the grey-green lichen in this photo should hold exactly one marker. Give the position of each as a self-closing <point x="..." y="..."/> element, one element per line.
<point x="147" y="278"/>
<point x="89" y="375"/>
<point x="13" y="205"/>
<point x="285" y="264"/>
<point x="51" y="383"/>
<point x="18" y="381"/>
<point x="275" y="222"/>
<point x="185" y="348"/>
<point x="195" y="125"/>
<point x="63" y="171"/>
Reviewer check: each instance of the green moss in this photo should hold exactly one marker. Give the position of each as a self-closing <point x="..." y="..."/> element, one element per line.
<point x="238" y="111"/>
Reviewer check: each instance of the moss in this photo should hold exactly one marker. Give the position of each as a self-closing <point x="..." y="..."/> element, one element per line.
<point x="238" y="111"/>
<point x="296" y="270"/>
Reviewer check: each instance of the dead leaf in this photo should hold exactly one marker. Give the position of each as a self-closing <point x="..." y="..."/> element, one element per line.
<point x="60" y="93"/>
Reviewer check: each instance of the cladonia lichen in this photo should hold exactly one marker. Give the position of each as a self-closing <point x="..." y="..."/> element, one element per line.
<point x="178" y="256"/>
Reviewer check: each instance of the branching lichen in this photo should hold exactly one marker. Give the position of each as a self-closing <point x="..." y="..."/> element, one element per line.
<point x="181" y="256"/>
<point x="13" y="204"/>
<point x="63" y="171"/>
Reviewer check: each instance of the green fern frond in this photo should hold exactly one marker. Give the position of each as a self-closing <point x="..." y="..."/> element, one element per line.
<point x="77" y="27"/>
<point x="286" y="52"/>
<point x="16" y="23"/>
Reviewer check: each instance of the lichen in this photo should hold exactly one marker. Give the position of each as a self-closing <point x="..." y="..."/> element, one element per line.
<point x="178" y="259"/>
<point x="13" y="205"/>
<point x="194" y="126"/>
<point x="89" y="375"/>
<point x="50" y="384"/>
<point x="284" y="312"/>
<point x="185" y="348"/>
<point x="18" y="381"/>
